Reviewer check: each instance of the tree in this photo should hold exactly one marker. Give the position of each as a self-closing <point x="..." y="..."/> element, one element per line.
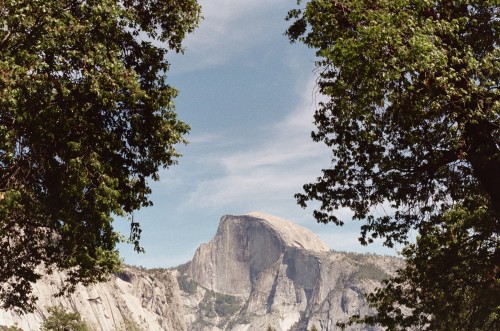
<point x="131" y="325"/>
<point x="413" y="122"/>
<point x="450" y="281"/>
<point x="86" y="118"/>
<point x="60" y="319"/>
<point x="10" y="328"/>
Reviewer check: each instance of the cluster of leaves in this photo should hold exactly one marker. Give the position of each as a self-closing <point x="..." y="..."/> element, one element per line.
<point x="10" y="328"/>
<point x="218" y="304"/>
<point x="370" y="271"/>
<point x="60" y="319"/>
<point x="450" y="282"/>
<point x="187" y="284"/>
<point x="86" y="118"/>
<point x="413" y="123"/>
<point x="413" y="112"/>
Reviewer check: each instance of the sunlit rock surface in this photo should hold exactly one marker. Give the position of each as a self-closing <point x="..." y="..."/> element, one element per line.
<point x="148" y="300"/>
<point x="260" y="271"/>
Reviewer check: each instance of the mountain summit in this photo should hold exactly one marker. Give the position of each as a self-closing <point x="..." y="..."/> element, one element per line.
<point x="265" y="270"/>
<point x="290" y="234"/>
<point x="246" y="245"/>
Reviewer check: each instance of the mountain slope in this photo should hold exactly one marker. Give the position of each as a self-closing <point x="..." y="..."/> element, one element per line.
<point x="131" y="297"/>
<point x="269" y="271"/>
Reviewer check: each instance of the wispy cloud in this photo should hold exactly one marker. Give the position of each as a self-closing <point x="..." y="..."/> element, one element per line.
<point x="250" y="147"/>
<point x="266" y="172"/>
<point x="229" y="28"/>
<point x="202" y="138"/>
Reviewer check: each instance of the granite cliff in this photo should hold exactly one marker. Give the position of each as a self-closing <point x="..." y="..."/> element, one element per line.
<point x="260" y="271"/>
<point x="132" y="300"/>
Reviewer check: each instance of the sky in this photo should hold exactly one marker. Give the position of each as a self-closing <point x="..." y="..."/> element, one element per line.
<point x="249" y="97"/>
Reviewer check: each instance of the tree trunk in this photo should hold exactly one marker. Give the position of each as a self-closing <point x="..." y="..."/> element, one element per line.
<point x="484" y="156"/>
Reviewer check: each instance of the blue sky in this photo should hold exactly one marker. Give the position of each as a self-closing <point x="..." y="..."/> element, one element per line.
<point x="249" y="97"/>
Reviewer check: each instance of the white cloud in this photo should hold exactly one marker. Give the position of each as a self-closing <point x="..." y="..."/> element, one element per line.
<point x="289" y="142"/>
<point x="268" y="173"/>
<point x="203" y="138"/>
<point x="229" y="28"/>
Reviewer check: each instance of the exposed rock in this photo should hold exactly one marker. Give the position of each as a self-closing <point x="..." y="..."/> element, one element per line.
<point x="133" y="296"/>
<point x="280" y="275"/>
<point x="243" y="247"/>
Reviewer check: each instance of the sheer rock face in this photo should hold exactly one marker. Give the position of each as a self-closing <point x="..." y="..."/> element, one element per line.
<point x="132" y="297"/>
<point x="280" y="275"/>
<point x="246" y="245"/>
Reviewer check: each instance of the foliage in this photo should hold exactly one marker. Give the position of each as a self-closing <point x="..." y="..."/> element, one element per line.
<point x="218" y="304"/>
<point x="413" y="122"/>
<point x="130" y="325"/>
<point x="217" y="309"/>
<point x="413" y="112"/>
<point x="354" y="255"/>
<point x="187" y="284"/>
<point x="10" y="328"/>
<point x="86" y="118"/>
<point x="60" y="319"/>
<point x="370" y="271"/>
<point x="448" y="270"/>
<point x="226" y="305"/>
<point x="366" y="269"/>
<point x="162" y="275"/>
<point x="206" y="306"/>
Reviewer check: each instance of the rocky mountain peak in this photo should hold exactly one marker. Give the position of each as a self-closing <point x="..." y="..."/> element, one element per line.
<point x="260" y="270"/>
<point x="246" y="245"/>
<point x="291" y="234"/>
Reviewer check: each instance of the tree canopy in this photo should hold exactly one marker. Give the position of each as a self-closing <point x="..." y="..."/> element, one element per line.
<point x="59" y="319"/>
<point x="450" y="281"/>
<point x="413" y="121"/>
<point x="86" y="118"/>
